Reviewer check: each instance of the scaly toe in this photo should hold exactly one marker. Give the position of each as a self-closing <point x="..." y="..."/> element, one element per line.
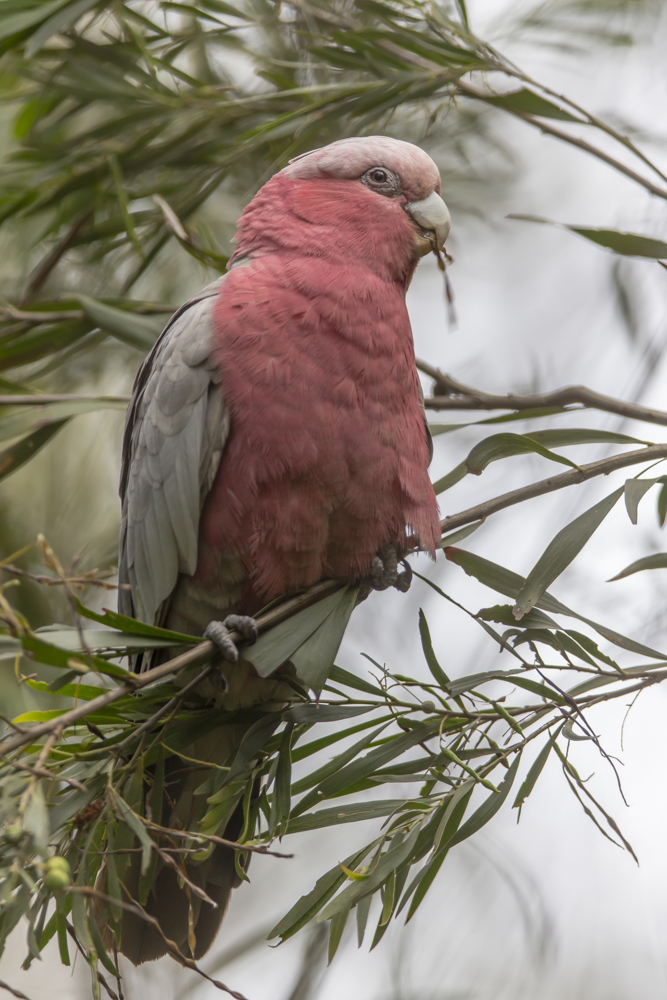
<point x="244" y="624"/>
<point x="219" y="635"/>
<point x="404" y="579"/>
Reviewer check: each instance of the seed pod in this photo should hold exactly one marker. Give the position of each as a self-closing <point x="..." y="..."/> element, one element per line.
<point x="58" y="873"/>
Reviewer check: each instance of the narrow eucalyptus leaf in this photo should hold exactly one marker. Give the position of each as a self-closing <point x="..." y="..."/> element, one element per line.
<point x="138" y="331"/>
<point x="635" y="489"/>
<point x="560" y="552"/>
<point x="657" y="561"/>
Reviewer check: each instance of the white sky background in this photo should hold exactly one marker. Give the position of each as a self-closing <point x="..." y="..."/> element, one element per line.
<point x="548" y="909"/>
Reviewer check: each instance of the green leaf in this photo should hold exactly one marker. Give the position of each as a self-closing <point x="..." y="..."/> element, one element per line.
<point x="560" y="552"/>
<point x="365" y="766"/>
<point x="135" y="627"/>
<point x="657" y="561"/>
<point x="280" y="803"/>
<point x="130" y="818"/>
<point x="314" y="712"/>
<point x="352" y="813"/>
<point x="99" y="639"/>
<point x="625" y="244"/>
<point x="138" y="331"/>
<point x="18" y="454"/>
<point x="306" y="907"/>
<point x="535" y="771"/>
<point x="506" y="445"/>
<point x="23" y="419"/>
<point x="277" y="645"/>
<point x="342" y="676"/>
<point x="391" y="860"/>
<point x="570" y="734"/>
<point x="257" y="736"/>
<point x="662" y="506"/>
<point x="504" y="581"/>
<point x="635" y="489"/>
<point x="18" y="21"/>
<point x="339" y="761"/>
<point x="453" y="477"/>
<point x="314" y="659"/>
<point x="488" y="808"/>
<point x="502" y="613"/>
<point x="457" y="536"/>
<point x="438" y="673"/>
<point x="527" y="102"/>
<point x="60" y="21"/>
<point x="336" y="931"/>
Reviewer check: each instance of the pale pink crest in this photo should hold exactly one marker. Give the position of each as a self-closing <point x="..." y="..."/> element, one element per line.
<point x="348" y="159"/>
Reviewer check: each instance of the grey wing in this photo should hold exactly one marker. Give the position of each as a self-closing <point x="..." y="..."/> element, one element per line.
<point x="175" y="432"/>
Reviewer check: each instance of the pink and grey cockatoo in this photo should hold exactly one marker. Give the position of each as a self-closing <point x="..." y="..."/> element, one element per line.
<point x="276" y="437"/>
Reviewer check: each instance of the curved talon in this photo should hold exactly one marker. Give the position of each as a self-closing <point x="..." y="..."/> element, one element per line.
<point x="384" y="571"/>
<point x="404" y="579"/>
<point x="384" y="574"/>
<point x="218" y="633"/>
<point x="244" y="624"/>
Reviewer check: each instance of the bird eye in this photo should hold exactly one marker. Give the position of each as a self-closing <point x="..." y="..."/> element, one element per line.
<point x="382" y="181"/>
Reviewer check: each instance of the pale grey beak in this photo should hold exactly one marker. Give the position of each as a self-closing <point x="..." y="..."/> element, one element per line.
<point x="433" y="218"/>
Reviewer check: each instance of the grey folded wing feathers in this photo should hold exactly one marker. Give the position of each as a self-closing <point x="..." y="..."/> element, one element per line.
<point x="175" y="433"/>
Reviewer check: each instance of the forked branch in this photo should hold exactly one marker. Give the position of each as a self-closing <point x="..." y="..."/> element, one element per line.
<point x="450" y="394"/>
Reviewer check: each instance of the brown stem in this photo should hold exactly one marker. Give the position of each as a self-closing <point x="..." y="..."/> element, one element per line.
<point x="200" y="653"/>
<point x="466" y="90"/>
<point x="52" y="258"/>
<point x="581" y="475"/>
<point x="14" y="993"/>
<point x="174" y="950"/>
<point x="449" y="394"/>
<point x="44" y="400"/>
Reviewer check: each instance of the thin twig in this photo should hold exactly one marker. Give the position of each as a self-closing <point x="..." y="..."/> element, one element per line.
<point x="10" y="989"/>
<point x="449" y="394"/>
<point x="52" y="258"/>
<point x="44" y="400"/>
<point x="149" y="724"/>
<point x="213" y="839"/>
<point x="193" y="657"/>
<point x="41" y="772"/>
<point x="100" y="978"/>
<point x="580" y="475"/>
<point x="174" y="950"/>
<point x="85" y="580"/>
<point x="72" y="315"/>
<point x="466" y="90"/>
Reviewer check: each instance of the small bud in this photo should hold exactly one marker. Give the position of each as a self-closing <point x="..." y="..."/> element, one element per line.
<point x="58" y="874"/>
<point x="13" y="833"/>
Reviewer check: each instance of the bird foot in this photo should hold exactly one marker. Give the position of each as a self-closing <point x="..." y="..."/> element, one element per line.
<point x="384" y="574"/>
<point x="219" y="634"/>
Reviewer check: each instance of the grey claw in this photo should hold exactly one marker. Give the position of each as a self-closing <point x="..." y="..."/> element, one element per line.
<point x="218" y="633"/>
<point x="244" y="624"/>
<point x="404" y="579"/>
<point x="384" y="571"/>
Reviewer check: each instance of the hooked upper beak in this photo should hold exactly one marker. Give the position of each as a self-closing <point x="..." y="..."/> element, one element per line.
<point x="432" y="223"/>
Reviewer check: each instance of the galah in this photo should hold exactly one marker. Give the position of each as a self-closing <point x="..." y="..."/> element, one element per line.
<point x="277" y="437"/>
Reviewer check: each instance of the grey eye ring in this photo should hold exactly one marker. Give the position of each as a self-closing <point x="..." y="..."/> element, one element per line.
<point x="382" y="180"/>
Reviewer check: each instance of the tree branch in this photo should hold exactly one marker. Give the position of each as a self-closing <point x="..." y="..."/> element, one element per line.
<point x="449" y="394"/>
<point x="573" y="478"/>
<point x="200" y="653"/>
<point x="44" y="400"/>
<point x="466" y="90"/>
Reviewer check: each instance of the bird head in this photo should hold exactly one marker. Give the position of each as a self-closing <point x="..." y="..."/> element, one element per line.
<point x="373" y="198"/>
